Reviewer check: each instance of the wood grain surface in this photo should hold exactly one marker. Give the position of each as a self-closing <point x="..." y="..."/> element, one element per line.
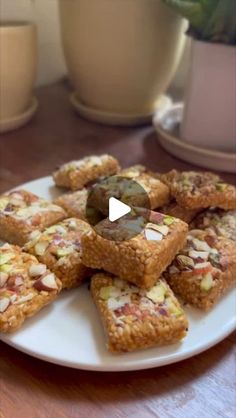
<point x="201" y="387"/>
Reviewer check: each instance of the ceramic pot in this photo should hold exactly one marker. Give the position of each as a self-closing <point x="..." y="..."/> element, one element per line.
<point x="121" y="55"/>
<point x="209" y="118"/>
<point x="18" y="62"/>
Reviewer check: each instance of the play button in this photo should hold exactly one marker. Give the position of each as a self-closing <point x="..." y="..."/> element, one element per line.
<point x="118" y="199"/>
<point x="117" y="209"/>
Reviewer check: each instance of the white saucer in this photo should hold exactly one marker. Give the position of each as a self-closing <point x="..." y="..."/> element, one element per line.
<point x="167" y="124"/>
<point x="113" y="118"/>
<point x="20" y="120"/>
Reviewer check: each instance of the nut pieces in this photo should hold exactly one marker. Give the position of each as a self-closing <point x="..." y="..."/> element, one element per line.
<point x="47" y="283"/>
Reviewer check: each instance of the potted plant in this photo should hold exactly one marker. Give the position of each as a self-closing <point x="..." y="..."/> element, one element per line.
<point x="120" y="54"/>
<point x="209" y="117"/>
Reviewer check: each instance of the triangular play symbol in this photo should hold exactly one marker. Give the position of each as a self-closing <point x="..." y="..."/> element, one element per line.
<point x="117" y="209"/>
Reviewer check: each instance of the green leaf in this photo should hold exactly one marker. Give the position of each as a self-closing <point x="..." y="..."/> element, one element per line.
<point x="210" y="20"/>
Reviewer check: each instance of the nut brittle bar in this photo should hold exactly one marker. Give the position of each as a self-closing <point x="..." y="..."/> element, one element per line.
<point x="142" y="258"/>
<point x="75" y="204"/>
<point x="21" y="212"/>
<point x="203" y="270"/>
<point x="26" y="286"/>
<point x="173" y="209"/>
<point x="76" y="174"/>
<point x="137" y="170"/>
<point x="140" y="191"/>
<point x="135" y="318"/>
<point x="196" y="190"/>
<point x="59" y="247"/>
<point x="222" y="223"/>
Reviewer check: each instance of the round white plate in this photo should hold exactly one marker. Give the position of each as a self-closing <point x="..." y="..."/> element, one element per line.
<point x="167" y="125"/>
<point x="114" y="118"/>
<point x="69" y="332"/>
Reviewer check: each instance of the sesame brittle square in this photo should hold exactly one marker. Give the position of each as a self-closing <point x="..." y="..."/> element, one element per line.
<point x="203" y="270"/>
<point x="196" y="190"/>
<point x="141" y="258"/>
<point x="75" y="204"/>
<point x="26" y="286"/>
<point x="21" y="212"/>
<point x="59" y="247"/>
<point x="135" y="318"/>
<point x="222" y="223"/>
<point x="76" y="174"/>
<point x="174" y="209"/>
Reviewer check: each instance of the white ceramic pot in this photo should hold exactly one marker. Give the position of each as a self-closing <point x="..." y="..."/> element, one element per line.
<point x="18" y="62"/>
<point x="209" y="118"/>
<point x="121" y="54"/>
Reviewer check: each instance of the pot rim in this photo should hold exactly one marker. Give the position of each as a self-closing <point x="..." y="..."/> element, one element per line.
<point x="9" y="25"/>
<point x="209" y="43"/>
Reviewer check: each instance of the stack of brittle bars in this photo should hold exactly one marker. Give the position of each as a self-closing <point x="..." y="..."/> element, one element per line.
<point x="184" y="254"/>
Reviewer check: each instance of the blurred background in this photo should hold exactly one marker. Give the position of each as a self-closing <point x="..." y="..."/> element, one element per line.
<point x="45" y="14"/>
<point x="51" y="61"/>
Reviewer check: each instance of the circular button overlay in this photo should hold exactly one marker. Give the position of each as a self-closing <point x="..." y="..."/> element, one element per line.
<point x="109" y="199"/>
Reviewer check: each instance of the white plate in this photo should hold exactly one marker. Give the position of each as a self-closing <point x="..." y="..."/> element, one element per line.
<point x="69" y="331"/>
<point x="167" y="125"/>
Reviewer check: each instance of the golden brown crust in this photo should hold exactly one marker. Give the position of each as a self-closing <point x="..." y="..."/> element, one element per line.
<point x="141" y="191"/>
<point x="196" y="190"/>
<point x="59" y="247"/>
<point x="22" y="212"/>
<point x="137" y="319"/>
<point x="23" y="292"/>
<point x="137" y="260"/>
<point x="173" y="209"/>
<point x="76" y="174"/>
<point x="220" y="222"/>
<point x="206" y="280"/>
<point x="74" y="203"/>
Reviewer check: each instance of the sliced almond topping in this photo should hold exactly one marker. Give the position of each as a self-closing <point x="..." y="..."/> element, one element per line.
<point x="200" y="245"/>
<point x="199" y="254"/>
<point x="13" y="297"/>
<point x="3" y="278"/>
<point x="34" y="234"/>
<point x="24" y="299"/>
<point x="47" y="282"/>
<point x="163" y="229"/>
<point x="37" y="270"/>
<point x="40" y="247"/>
<point x="19" y="280"/>
<point x="202" y="265"/>
<point x="4" y="303"/>
<point x="153" y="235"/>
<point x="157" y="293"/>
<point x="72" y="224"/>
<point x="114" y="303"/>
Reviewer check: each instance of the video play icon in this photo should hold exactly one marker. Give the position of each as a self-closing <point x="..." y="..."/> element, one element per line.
<point x="117" y="209"/>
<point x="122" y="201"/>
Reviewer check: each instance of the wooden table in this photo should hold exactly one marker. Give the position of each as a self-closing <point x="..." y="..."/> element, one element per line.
<point x="203" y="386"/>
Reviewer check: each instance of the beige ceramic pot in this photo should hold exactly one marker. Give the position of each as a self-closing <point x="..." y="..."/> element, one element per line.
<point x="18" y="63"/>
<point x="121" y="54"/>
<point x="209" y="118"/>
